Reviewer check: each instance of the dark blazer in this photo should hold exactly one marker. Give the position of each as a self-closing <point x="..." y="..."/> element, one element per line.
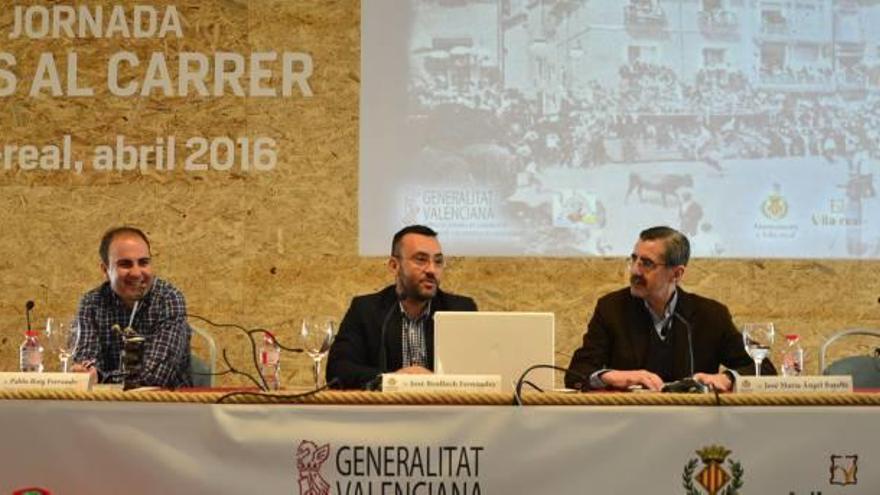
<point x="355" y="357"/>
<point x="619" y="333"/>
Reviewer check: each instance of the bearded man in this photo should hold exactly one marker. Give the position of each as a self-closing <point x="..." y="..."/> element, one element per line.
<point x="393" y="330"/>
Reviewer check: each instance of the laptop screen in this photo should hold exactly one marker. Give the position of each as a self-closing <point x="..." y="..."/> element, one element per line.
<point x="495" y="343"/>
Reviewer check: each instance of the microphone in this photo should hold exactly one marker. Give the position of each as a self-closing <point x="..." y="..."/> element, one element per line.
<point x="133" y="312"/>
<point x="28" y="307"/>
<point x="687" y="326"/>
<point x="689" y="384"/>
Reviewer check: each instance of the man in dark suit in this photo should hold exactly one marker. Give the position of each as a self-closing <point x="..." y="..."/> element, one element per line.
<point x="393" y="330"/>
<point x="638" y="336"/>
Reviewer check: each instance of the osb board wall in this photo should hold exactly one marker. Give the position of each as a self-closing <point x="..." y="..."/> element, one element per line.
<point x="265" y="249"/>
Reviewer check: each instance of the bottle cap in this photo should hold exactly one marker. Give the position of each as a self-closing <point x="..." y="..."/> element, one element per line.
<point x="792" y="336"/>
<point x="30" y="332"/>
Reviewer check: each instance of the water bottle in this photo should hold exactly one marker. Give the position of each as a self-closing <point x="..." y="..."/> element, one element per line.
<point x="270" y="361"/>
<point x="31" y="353"/>
<point x="792" y="356"/>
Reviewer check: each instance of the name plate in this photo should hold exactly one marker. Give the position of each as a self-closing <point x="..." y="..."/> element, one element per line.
<point x="794" y="384"/>
<point x="398" y="382"/>
<point x="44" y="381"/>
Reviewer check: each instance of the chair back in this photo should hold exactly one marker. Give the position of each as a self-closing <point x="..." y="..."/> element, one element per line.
<point x="203" y="359"/>
<point x="865" y="370"/>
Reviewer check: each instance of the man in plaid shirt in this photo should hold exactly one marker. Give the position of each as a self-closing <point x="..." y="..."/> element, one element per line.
<point x="132" y="296"/>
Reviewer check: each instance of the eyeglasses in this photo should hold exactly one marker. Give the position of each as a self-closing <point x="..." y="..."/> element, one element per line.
<point x="646" y="264"/>
<point x="422" y="261"/>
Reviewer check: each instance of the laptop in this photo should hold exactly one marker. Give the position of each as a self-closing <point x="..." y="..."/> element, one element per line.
<point x="495" y="343"/>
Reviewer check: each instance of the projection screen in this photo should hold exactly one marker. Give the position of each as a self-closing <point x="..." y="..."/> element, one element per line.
<point x="564" y="127"/>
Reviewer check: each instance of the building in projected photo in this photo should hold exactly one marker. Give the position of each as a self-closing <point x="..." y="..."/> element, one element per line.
<point x="642" y="74"/>
<point x="454" y="51"/>
<point x="465" y="51"/>
<point x="551" y="47"/>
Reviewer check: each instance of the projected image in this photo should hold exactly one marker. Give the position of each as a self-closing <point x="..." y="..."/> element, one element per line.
<point x="563" y="127"/>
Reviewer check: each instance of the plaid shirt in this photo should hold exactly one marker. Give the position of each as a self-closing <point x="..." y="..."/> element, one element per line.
<point x="415" y="350"/>
<point x="160" y="319"/>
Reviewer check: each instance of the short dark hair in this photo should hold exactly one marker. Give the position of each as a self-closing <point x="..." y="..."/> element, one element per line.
<point x="409" y="229"/>
<point x="107" y="238"/>
<point x="677" y="247"/>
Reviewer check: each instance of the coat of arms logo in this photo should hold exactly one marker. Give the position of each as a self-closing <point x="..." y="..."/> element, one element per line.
<point x="775" y="207"/>
<point x="410" y="210"/>
<point x="713" y="478"/>
<point x="844" y="469"/>
<point x="309" y="459"/>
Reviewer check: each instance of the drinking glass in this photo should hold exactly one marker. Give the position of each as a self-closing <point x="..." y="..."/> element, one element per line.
<point x="758" y="339"/>
<point x="316" y="336"/>
<point x="62" y="336"/>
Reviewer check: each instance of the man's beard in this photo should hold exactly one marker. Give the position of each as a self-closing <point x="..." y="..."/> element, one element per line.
<point x="414" y="291"/>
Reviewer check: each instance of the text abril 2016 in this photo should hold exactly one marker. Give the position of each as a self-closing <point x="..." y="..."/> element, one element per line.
<point x="222" y="153"/>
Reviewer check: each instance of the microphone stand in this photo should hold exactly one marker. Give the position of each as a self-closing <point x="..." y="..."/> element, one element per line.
<point x="689" y="384"/>
<point x="687" y="326"/>
<point x="28" y="307"/>
<point x="132" y="357"/>
<point x="376" y="382"/>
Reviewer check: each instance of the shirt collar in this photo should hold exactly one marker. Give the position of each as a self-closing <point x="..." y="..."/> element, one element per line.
<point x="423" y="315"/>
<point x="667" y="312"/>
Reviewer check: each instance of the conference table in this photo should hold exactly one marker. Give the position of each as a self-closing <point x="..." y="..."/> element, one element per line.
<point x="375" y="443"/>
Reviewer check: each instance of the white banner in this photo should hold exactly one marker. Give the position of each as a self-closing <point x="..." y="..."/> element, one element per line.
<point x="80" y="447"/>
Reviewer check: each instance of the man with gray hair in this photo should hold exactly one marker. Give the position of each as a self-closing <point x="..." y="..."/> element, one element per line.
<point x="654" y="332"/>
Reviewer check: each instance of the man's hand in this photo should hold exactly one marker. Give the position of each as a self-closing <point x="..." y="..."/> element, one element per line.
<point x="720" y="381"/>
<point x="414" y="370"/>
<point x="624" y="379"/>
<point x="86" y="367"/>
